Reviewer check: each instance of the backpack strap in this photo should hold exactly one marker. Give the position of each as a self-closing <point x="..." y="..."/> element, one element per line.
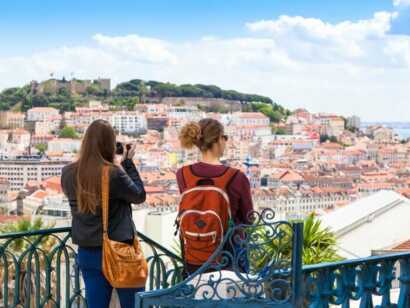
<point x="226" y="178"/>
<point x="190" y="179"/>
<point x="222" y="181"/>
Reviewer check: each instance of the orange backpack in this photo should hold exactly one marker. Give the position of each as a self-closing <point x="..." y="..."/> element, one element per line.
<point x="204" y="214"/>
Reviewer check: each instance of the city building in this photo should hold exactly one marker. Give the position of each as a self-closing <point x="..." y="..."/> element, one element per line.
<point x="295" y="204"/>
<point x="11" y="120"/>
<point x="129" y="122"/>
<point x="252" y="119"/>
<point x="179" y="115"/>
<point x="4" y="187"/>
<point x="353" y="122"/>
<point x="164" y="220"/>
<point x="20" y="136"/>
<point x="302" y="113"/>
<point x="383" y="135"/>
<point x="331" y="125"/>
<point x="383" y="215"/>
<point x="46" y="127"/>
<point x="82" y="118"/>
<point x="157" y="121"/>
<point x="41" y="139"/>
<point x="22" y="169"/>
<point x="55" y="210"/>
<point x="65" y="145"/>
<point x="42" y="114"/>
<point x="295" y="125"/>
<point x="74" y="86"/>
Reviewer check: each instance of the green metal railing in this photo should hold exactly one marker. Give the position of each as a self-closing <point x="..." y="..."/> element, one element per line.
<point x="38" y="269"/>
<point x="369" y="282"/>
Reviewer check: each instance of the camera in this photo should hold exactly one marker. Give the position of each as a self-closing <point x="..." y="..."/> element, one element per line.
<point x="119" y="148"/>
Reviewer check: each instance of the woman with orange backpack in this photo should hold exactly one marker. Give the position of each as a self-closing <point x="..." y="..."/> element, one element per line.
<point x="213" y="196"/>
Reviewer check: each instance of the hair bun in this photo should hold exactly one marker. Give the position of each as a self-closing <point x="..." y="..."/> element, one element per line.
<point x="190" y="135"/>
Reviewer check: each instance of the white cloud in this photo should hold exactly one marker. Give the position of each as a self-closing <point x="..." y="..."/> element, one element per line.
<point x="401" y="2"/>
<point x="312" y="40"/>
<point x="141" y="49"/>
<point x="348" y="67"/>
<point x="317" y="29"/>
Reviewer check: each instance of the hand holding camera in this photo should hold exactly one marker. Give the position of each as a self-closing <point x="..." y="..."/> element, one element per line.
<point x="127" y="151"/>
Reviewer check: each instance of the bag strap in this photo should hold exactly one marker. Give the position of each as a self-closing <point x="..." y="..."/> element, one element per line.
<point x="225" y="180"/>
<point x="222" y="181"/>
<point x="105" y="190"/>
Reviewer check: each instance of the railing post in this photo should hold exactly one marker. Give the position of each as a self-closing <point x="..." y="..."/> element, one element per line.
<point x="404" y="299"/>
<point x="367" y="280"/>
<point x="297" y="252"/>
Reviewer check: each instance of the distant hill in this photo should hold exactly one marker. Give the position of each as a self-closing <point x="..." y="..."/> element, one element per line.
<point x="66" y="95"/>
<point x="136" y="87"/>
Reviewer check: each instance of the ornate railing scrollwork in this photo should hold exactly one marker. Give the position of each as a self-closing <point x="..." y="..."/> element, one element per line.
<point x="252" y="266"/>
<point x="38" y="269"/>
<point x="257" y="265"/>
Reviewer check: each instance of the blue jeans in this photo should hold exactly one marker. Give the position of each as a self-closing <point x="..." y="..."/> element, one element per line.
<point x="97" y="289"/>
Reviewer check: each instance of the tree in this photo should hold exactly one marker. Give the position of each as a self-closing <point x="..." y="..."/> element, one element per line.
<point x="273" y="112"/>
<point x="319" y="244"/>
<point x="161" y="89"/>
<point x="64" y="92"/>
<point x="26" y="225"/>
<point x="95" y="89"/>
<point x="27" y="273"/>
<point x="143" y="91"/>
<point x="280" y="131"/>
<point x="324" y="138"/>
<point x="41" y="148"/>
<point x="68" y="132"/>
<point x="129" y="103"/>
<point x="352" y="129"/>
<point x="333" y="139"/>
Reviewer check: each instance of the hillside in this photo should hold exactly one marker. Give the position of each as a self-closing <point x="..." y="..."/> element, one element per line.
<point x="66" y="95"/>
<point x="137" y="87"/>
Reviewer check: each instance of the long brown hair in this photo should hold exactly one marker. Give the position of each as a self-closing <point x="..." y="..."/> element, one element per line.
<point x="203" y="134"/>
<point x="97" y="149"/>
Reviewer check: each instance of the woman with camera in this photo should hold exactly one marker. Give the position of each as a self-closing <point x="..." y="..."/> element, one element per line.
<point x="82" y="184"/>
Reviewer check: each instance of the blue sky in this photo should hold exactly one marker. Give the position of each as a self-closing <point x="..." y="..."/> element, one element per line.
<point x="348" y="57"/>
<point x="32" y="25"/>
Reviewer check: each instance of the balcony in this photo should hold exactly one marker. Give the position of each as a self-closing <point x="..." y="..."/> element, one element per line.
<point x="38" y="269"/>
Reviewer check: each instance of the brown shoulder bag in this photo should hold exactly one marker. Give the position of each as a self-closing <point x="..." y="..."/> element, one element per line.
<point x="123" y="265"/>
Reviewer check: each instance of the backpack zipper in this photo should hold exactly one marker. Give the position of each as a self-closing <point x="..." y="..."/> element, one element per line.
<point x="208" y="188"/>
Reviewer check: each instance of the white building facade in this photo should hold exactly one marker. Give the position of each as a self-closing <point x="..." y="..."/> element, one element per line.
<point x="129" y="122"/>
<point x="18" y="171"/>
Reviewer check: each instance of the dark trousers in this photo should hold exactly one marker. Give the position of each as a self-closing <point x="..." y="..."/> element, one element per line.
<point x="97" y="289"/>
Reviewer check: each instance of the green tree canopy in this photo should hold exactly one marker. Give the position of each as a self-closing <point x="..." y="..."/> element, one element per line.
<point x="273" y="111"/>
<point x="319" y="244"/>
<point x="68" y="132"/>
<point x="280" y="131"/>
<point x="26" y="225"/>
<point x="135" y="88"/>
<point x="325" y="138"/>
<point x="167" y="89"/>
<point x="41" y="147"/>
